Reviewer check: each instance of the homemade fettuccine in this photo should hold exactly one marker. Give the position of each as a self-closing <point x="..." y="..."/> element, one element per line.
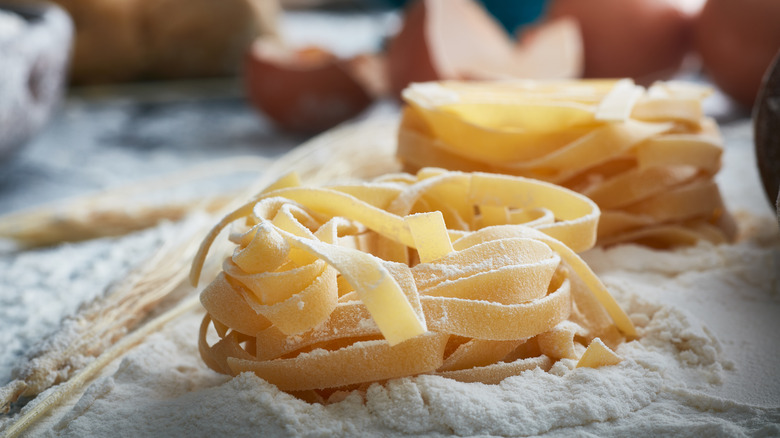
<point x="470" y="276"/>
<point x="647" y="157"/>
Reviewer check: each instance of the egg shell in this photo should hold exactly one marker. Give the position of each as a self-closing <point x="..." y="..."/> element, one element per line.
<point x="458" y="39"/>
<point x="440" y="39"/>
<point x="304" y="90"/>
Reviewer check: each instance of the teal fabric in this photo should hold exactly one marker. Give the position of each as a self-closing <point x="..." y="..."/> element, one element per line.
<point x="512" y="14"/>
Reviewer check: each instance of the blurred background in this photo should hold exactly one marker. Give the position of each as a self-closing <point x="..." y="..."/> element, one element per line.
<point x="100" y="93"/>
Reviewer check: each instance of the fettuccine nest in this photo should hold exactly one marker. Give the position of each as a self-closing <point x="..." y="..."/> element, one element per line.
<point x="647" y="157"/>
<point x="470" y="276"/>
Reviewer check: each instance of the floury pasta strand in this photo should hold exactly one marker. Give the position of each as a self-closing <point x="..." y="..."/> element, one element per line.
<point x="647" y="157"/>
<point x="472" y="276"/>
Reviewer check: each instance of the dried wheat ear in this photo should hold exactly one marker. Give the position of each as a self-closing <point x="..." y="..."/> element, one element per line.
<point x="107" y="327"/>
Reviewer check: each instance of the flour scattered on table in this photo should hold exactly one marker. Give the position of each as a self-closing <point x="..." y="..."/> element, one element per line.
<point x="665" y="385"/>
<point x="704" y="365"/>
<point x="38" y="287"/>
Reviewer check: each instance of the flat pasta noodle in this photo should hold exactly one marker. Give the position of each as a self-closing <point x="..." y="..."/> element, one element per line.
<point x="470" y="276"/>
<point x="635" y="151"/>
<point x="598" y="354"/>
<point x="494" y="374"/>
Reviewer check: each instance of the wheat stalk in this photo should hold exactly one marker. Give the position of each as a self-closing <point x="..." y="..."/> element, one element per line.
<point x="85" y="375"/>
<point x="114" y="212"/>
<point x="361" y="150"/>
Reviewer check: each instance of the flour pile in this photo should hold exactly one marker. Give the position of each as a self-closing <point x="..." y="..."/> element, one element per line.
<point x="704" y="364"/>
<point x="38" y="287"/>
<point x="664" y="385"/>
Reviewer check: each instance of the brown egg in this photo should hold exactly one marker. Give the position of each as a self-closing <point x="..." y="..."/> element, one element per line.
<point x="642" y="39"/>
<point x="458" y="39"/>
<point x="304" y="90"/>
<point x="737" y="40"/>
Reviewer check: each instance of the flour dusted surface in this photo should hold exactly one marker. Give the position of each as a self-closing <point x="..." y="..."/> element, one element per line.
<point x="664" y="385"/>
<point x="38" y="287"/>
<point x="675" y="379"/>
<point x="703" y="366"/>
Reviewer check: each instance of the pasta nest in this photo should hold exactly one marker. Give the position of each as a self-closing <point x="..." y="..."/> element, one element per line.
<point x="471" y="276"/>
<point x="647" y="157"/>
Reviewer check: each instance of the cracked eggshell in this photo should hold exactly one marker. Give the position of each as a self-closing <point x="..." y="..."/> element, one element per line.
<point x="458" y="39"/>
<point x="444" y="39"/>
<point x="549" y="50"/>
<point x="304" y="90"/>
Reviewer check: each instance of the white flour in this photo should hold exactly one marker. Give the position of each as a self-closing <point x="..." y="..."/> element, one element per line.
<point x="704" y="365"/>
<point x="38" y="287"/>
<point x="668" y="383"/>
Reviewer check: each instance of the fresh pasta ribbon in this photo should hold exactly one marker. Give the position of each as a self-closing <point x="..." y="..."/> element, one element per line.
<point x="646" y="156"/>
<point x="467" y="275"/>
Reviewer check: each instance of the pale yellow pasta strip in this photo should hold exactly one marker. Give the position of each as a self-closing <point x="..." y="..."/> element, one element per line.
<point x="376" y="288"/>
<point x="273" y="287"/>
<point x="417" y="151"/>
<point x="377" y="195"/>
<point x="493" y="215"/>
<point x="303" y="309"/>
<point x="495" y="373"/>
<point x="531" y="217"/>
<point x="335" y="203"/>
<point x="348" y="320"/>
<point x="681" y="149"/>
<point x="597" y="146"/>
<point x="288" y="180"/>
<point x="578" y="214"/>
<point x="639" y="184"/>
<point x="205" y="350"/>
<point x="479" y="256"/>
<point x="361" y="362"/>
<point x="512" y="284"/>
<point x="614" y="223"/>
<point x="478" y="353"/>
<point x="686" y="110"/>
<point x="266" y="251"/>
<point x="523" y="116"/>
<point x="616" y="105"/>
<point x="597" y="355"/>
<point x="665" y="236"/>
<point x="225" y="303"/>
<point x="507" y="321"/>
<point x="695" y="199"/>
<point x="622" y="321"/>
<point x="499" y="146"/>
<point x="430" y="235"/>
<point x="558" y="343"/>
<point x="506" y="271"/>
<point x="200" y="257"/>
